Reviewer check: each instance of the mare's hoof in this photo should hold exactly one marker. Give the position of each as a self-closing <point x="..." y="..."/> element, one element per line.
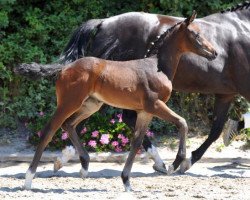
<point x="57" y="165"/>
<point x="160" y="168"/>
<point x="170" y="170"/>
<point x="83" y="173"/>
<point x="185" y="165"/>
<point x="128" y="188"/>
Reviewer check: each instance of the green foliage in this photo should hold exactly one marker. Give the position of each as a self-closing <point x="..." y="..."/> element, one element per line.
<point x="38" y="30"/>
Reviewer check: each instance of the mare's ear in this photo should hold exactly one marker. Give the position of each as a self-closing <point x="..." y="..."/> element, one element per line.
<point x="191" y="18"/>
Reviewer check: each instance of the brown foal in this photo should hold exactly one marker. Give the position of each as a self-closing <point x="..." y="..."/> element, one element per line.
<point x="83" y="86"/>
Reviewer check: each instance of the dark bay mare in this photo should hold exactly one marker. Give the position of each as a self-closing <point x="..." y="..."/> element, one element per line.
<point x="83" y="86"/>
<point x="129" y="36"/>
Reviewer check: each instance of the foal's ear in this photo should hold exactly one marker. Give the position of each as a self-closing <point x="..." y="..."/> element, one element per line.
<point x="191" y="18"/>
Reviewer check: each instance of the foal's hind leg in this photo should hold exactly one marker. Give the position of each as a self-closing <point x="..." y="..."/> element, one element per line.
<point x="142" y="122"/>
<point x="89" y="107"/>
<point x="69" y="100"/>
<point x="160" y="110"/>
<point x="61" y="114"/>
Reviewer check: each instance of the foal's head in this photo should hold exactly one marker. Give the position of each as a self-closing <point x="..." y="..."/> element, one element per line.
<point x="191" y="40"/>
<point x="186" y="37"/>
<point x="182" y="37"/>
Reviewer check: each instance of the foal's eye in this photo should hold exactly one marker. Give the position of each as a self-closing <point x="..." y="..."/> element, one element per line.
<point x="197" y="36"/>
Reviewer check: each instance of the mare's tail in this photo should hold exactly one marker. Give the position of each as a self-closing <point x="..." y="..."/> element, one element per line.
<point x="36" y="71"/>
<point x="80" y="41"/>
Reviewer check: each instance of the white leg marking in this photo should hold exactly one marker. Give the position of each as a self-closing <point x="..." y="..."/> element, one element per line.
<point x="170" y="170"/>
<point x="28" y="179"/>
<point x="159" y="164"/>
<point x="155" y="155"/>
<point x="67" y="153"/>
<point x="185" y="165"/>
<point x="83" y="173"/>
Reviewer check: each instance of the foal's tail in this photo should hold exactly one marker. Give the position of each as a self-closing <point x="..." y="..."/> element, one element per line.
<point x="80" y="41"/>
<point x="36" y="71"/>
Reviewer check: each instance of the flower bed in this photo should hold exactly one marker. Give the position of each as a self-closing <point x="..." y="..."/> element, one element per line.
<point x="100" y="133"/>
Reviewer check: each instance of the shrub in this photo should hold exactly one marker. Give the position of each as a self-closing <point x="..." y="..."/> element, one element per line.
<point x="37" y="31"/>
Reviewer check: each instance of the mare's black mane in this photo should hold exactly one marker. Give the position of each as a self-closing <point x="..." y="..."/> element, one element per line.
<point x="239" y="6"/>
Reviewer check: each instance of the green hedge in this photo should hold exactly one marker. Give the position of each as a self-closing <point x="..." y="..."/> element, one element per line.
<point x="38" y="30"/>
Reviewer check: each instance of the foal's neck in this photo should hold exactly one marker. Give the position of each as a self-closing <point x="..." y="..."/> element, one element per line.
<point x="168" y="59"/>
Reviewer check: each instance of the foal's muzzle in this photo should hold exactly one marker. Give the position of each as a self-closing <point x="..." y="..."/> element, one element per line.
<point x="212" y="55"/>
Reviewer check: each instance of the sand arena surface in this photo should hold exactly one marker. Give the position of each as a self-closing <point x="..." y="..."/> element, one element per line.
<point x="203" y="181"/>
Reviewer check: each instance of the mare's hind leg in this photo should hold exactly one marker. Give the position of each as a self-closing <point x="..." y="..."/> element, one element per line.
<point x="142" y="122"/>
<point x="161" y="110"/>
<point x="129" y="117"/>
<point x="89" y="107"/>
<point x="222" y="104"/>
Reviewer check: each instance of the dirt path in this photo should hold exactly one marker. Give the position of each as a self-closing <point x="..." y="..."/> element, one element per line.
<point x="203" y="181"/>
<point x="219" y="175"/>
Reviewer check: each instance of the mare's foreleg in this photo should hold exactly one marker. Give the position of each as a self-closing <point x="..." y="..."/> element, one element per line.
<point x="142" y="122"/>
<point x="129" y="117"/>
<point x="221" y="107"/>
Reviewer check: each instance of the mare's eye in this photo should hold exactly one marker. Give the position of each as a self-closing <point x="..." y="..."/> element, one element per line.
<point x="197" y="36"/>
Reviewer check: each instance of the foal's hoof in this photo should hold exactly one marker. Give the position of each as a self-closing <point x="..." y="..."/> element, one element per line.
<point x="170" y="170"/>
<point x="83" y="173"/>
<point x="185" y="165"/>
<point x="160" y="168"/>
<point x="26" y="187"/>
<point x="57" y="165"/>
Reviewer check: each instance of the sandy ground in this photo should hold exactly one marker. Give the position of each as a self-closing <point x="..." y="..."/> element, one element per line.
<point x="203" y="181"/>
<point x="219" y="175"/>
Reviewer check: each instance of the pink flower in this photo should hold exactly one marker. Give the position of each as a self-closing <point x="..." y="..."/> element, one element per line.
<point x="149" y="133"/>
<point x="84" y="130"/>
<point x="120" y="117"/>
<point x="64" y="135"/>
<point x="41" y="113"/>
<point x="118" y="149"/>
<point x="39" y="133"/>
<point x="95" y="134"/>
<point x="26" y="124"/>
<point x="125" y="140"/>
<point x="92" y="143"/>
<point x="120" y="136"/>
<point x="115" y="143"/>
<point x="104" y="139"/>
<point x="112" y="121"/>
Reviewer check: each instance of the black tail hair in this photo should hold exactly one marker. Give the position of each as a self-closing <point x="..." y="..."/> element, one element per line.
<point x="80" y="41"/>
<point x="35" y="71"/>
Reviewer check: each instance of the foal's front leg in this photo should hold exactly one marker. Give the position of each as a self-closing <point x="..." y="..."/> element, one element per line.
<point x="129" y="117"/>
<point x="142" y="122"/>
<point x="161" y="110"/>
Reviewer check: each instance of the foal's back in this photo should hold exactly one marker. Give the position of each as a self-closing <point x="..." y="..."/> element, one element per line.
<point x="121" y="84"/>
